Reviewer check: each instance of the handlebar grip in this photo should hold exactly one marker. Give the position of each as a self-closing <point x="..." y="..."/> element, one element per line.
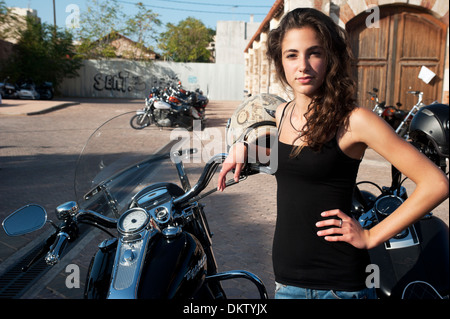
<point x="54" y="255"/>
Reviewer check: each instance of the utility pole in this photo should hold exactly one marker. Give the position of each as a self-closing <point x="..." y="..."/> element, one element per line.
<point x="54" y="19"/>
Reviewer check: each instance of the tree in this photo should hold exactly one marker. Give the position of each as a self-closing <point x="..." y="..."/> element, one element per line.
<point x="187" y="41"/>
<point x="103" y="22"/>
<point x="41" y="54"/>
<point x="142" y="26"/>
<point x="99" y="21"/>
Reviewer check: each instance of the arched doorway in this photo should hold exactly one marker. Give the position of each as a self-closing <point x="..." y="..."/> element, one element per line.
<point x="390" y="56"/>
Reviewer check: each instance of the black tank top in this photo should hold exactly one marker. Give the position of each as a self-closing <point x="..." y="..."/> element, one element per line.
<point x="307" y="185"/>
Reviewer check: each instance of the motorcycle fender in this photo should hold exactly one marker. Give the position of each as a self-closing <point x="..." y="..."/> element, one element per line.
<point x="161" y="105"/>
<point x="428" y="261"/>
<point x="100" y="270"/>
<point x="174" y="268"/>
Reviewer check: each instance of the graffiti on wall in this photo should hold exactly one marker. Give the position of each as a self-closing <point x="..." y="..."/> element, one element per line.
<point x="121" y="82"/>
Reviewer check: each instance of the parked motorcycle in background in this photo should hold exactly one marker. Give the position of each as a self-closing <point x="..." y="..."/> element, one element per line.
<point x="379" y="107"/>
<point x="45" y="90"/>
<point x="391" y="114"/>
<point x="414" y="264"/>
<point x="171" y="106"/>
<point x="397" y="118"/>
<point x="26" y="89"/>
<point x="403" y="127"/>
<point x="8" y="90"/>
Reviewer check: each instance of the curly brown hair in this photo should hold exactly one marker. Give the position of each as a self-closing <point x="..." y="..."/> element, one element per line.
<point x="335" y="99"/>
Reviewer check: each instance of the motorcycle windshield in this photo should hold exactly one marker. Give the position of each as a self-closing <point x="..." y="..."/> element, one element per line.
<point x="118" y="161"/>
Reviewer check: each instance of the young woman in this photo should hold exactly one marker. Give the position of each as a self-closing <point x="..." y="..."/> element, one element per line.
<point x="319" y="251"/>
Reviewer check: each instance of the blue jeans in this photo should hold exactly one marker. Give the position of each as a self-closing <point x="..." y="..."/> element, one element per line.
<point x="292" y="292"/>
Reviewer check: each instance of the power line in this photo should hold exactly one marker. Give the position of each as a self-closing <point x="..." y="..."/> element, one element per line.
<point x="217" y="5"/>
<point x="197" y="11"/>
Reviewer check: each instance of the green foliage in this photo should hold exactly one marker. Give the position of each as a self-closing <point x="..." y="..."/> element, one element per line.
<point x="41" y="54"/>
<point x="104" y="20"/>
<point x="187" y="41"/>
<point x="142" y="25"/>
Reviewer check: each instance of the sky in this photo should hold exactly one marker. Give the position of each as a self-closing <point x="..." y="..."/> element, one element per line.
<point x="173" y="11"/>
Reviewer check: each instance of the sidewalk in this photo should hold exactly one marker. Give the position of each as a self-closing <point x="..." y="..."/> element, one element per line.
<point x="32" y="107"/>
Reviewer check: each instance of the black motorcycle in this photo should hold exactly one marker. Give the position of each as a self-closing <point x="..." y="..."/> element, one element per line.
<point x="46" y="90"/>
<point x="194" y="98"/>
<point x="159" y="244"/>
<point x="414" y="264"/>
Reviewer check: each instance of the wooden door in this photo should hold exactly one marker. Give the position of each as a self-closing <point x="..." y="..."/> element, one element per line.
<point x="389" y="57"/>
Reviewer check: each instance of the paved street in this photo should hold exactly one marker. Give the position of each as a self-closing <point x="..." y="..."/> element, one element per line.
<point x="38" y="154"/>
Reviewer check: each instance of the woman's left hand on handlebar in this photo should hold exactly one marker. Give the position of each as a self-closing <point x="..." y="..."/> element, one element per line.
<point x="345" y="229"/>
<point x="236" y="160"/>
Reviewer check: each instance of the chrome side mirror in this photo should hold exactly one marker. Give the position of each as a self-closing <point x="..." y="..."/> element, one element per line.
<point x="25" y="220"/>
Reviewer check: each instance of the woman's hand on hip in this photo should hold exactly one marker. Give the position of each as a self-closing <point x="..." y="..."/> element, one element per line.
<point x="345" y="229"/>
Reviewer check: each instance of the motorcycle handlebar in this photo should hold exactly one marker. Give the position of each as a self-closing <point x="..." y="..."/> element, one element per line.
<point x="208" y="173"/>
<point x="90" y="216"/>
<point x="203" y="181"/>
<point x="69" y="231"/>
<point x="54" y="255"/>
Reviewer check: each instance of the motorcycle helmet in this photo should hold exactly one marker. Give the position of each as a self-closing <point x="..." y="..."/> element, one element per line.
<point x="253" y="120"/>
<point x="430" y="126"/>
<point x="429" y="133"/>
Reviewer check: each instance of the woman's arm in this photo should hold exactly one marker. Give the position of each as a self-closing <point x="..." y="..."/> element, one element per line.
<point x="432" y="186"/>
<point x="238" y="156"/>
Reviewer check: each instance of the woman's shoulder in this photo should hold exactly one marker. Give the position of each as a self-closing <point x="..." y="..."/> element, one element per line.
<point x="361" y="116"/>
<point x="281" y="107"/>
<point x="364" y="125"/>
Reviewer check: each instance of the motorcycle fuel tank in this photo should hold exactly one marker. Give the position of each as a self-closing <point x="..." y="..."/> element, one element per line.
<point x="174" y="268"/>
<point x="161" y="105"/>
<point x="427" y="261"/>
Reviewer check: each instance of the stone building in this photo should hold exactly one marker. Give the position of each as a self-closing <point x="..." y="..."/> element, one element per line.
<point x="16" y="22"/>
<point x="391" y="40"/>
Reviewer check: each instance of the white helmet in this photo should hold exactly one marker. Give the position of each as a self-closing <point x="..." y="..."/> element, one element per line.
<point x="253" y="119"/>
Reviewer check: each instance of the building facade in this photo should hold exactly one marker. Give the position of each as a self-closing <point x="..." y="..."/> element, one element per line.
<point x="231" y="39"/>
<point x="392" y="42"/>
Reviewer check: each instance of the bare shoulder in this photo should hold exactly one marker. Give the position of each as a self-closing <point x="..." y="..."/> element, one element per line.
<point x="361" y="116"/>
<point x="364" y="123"/>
